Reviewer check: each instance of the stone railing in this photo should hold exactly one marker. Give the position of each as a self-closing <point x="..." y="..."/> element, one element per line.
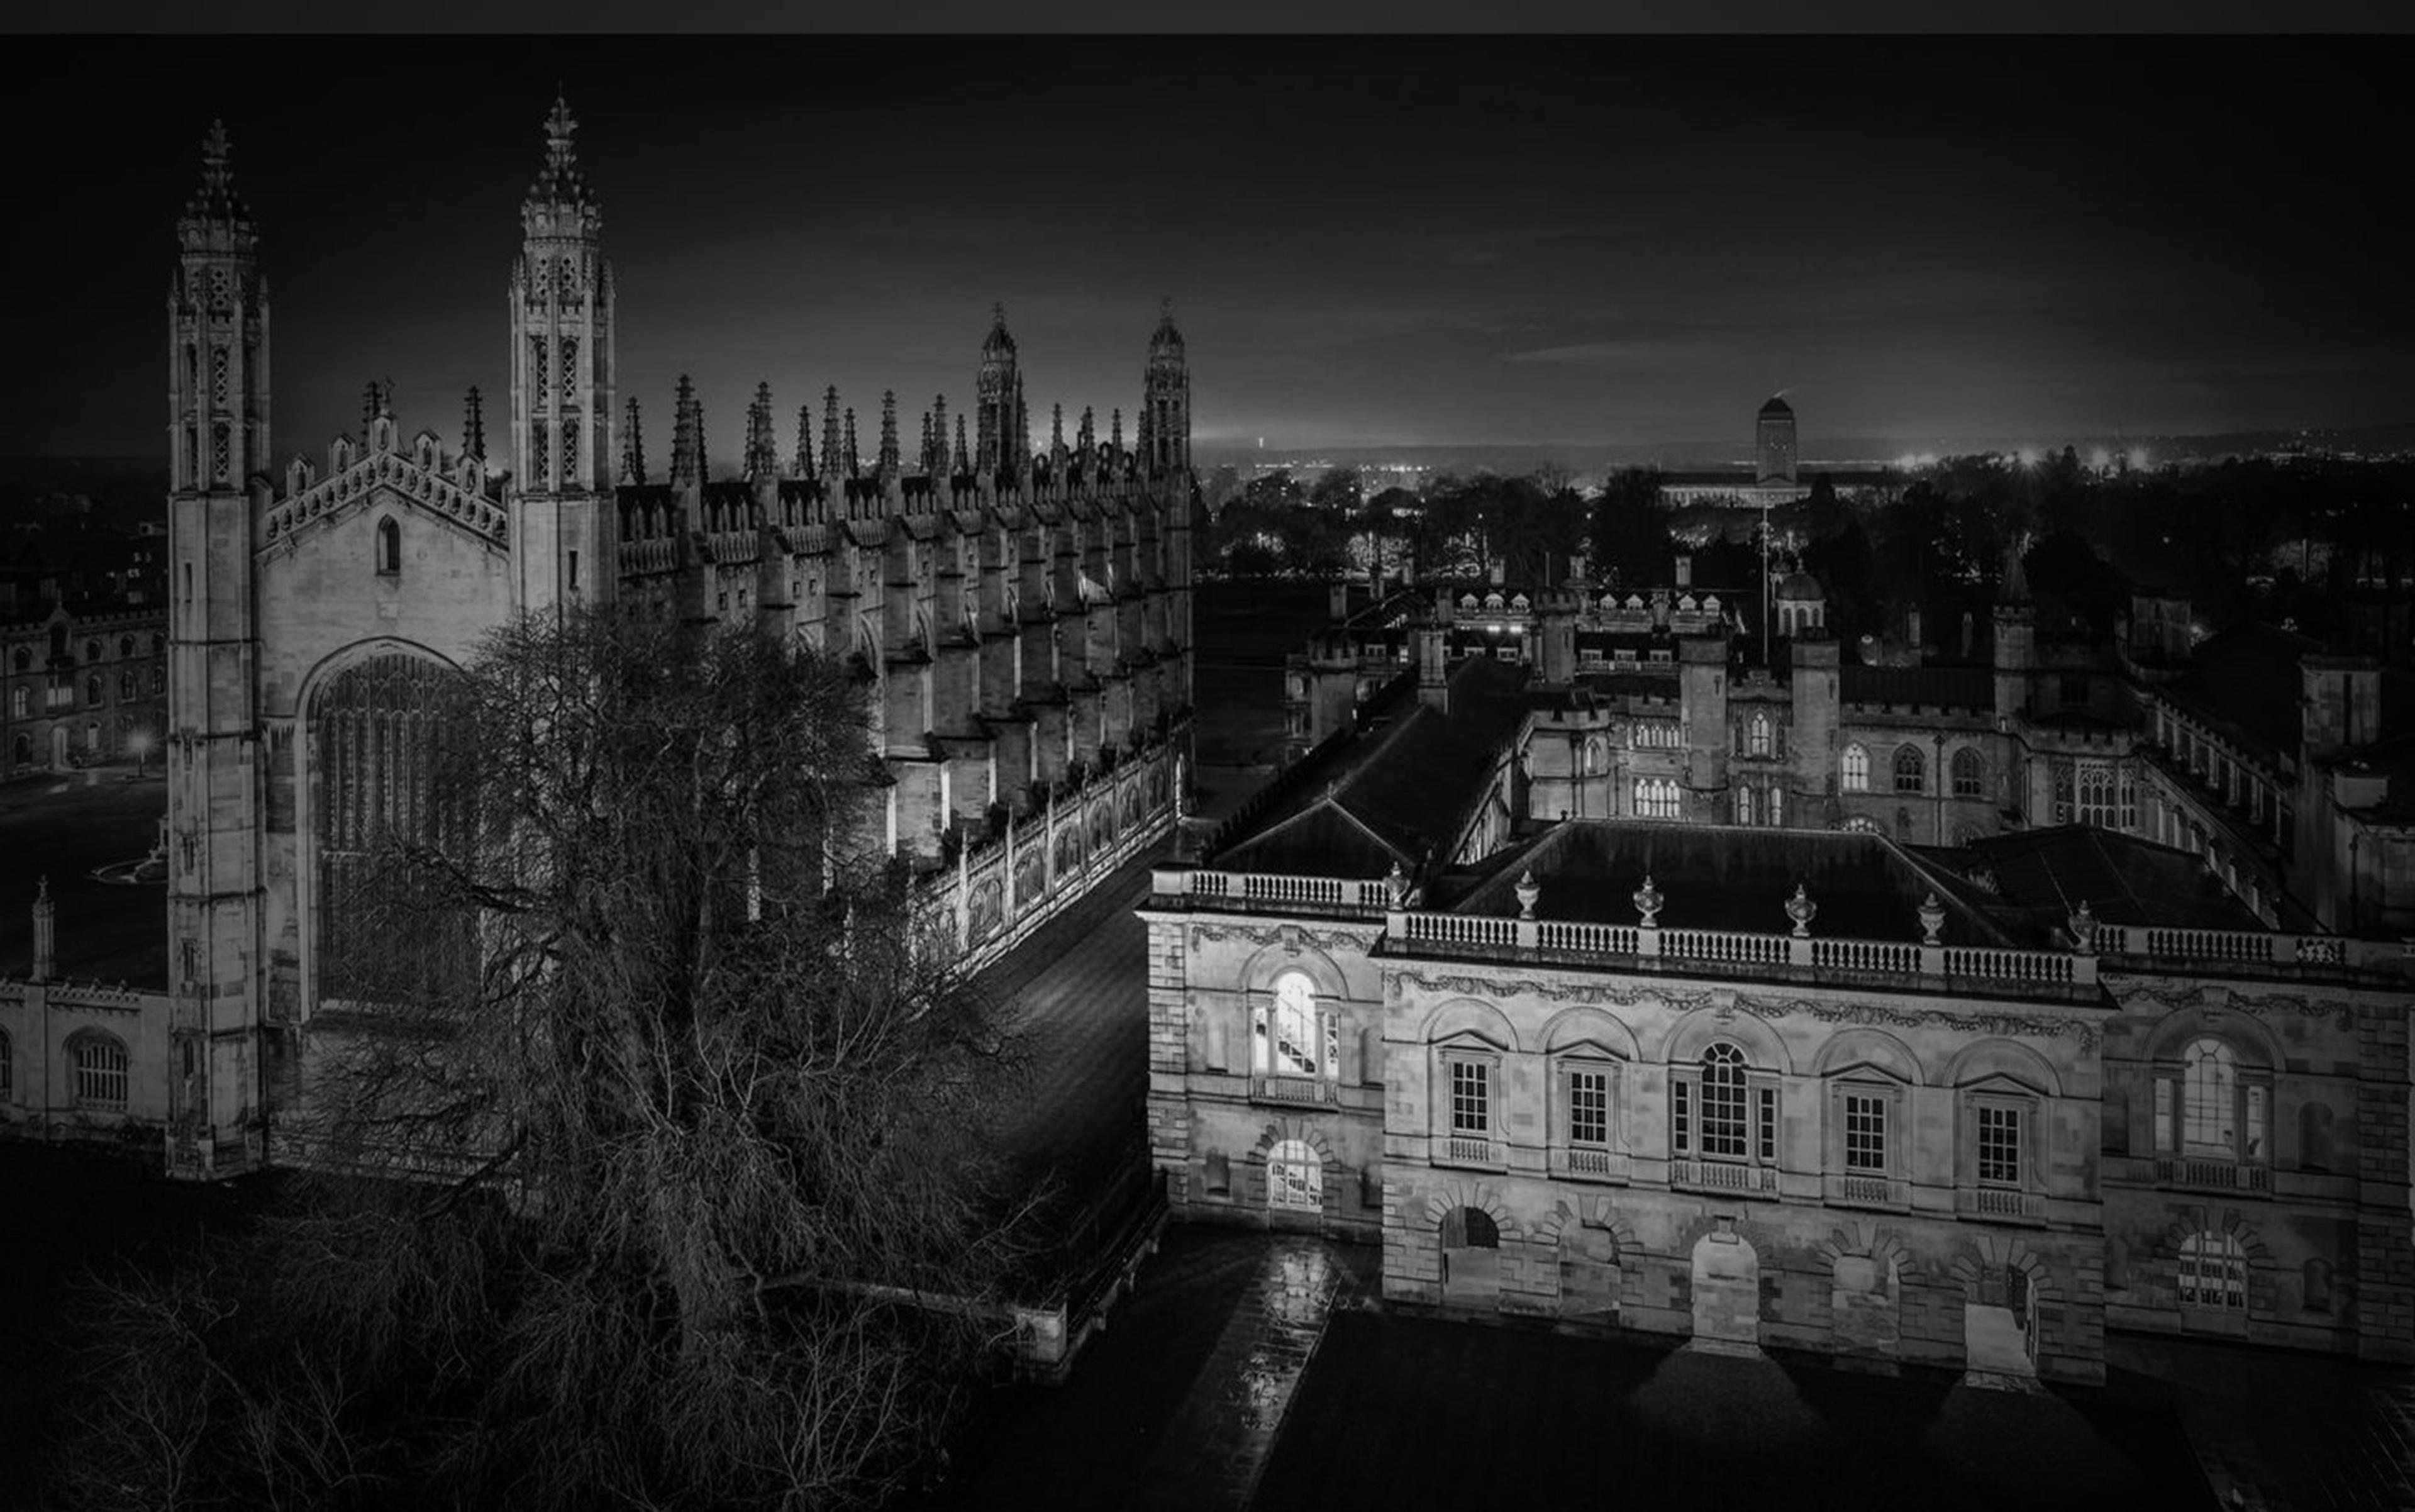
<point x="1303" y="1090"/>
<point x="1590" y="1162"/>
<point x="1275" y="890"/>
<point x="2217" y="1176"/>
<point x="1724" y="1176"/>
<point x="2001" y="1202"/>
<point x="1461" y="1150"/>
<point x="1868" y="1191"/>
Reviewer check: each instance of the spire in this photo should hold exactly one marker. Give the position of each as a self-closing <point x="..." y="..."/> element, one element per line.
<point x="377" y="402"/>
<point x="633" y="445"/>
<point x="999" y="342"/>
<point x="473" y="426"/>
<point x="854" y="457"/>
<point x="216" y="201"/>
<point x="1166" y="341"/>
<point x="687" y="437"/>
<point x="922" y="454"/>
<point x="802" y="464"/>
<point x="940" y="433"/>
<point x="560" y="179"/>
<point x="832" y="458"/>
<point x="964" y="454"/>
<point x="889" y="434"/>
<point x="1057" y="436"/>
<point x="1116" y="431"/>
<point x="1088" y="437"/>
<point x="762" y="454"/>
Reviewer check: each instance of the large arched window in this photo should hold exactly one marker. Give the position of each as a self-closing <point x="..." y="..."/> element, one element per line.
<point x="1295" y="1040"/>
<point x="2210" y="1108"/>
<point x="1655" y="797"/>
<point x="1969" y="778"/>
<point x="2210" y="1090"/>
<point x="1295" y="1177"/>
<point x="1911" y="769"/>
<point x="380" y="731"/>
<point x="389" y="549"/>
<point x="1854" y="771"/>
<point x="92" y="690"/>
<point x="1721" y="1111"/>
<point x="2213" y="1272"/>
<point x="99" y="1069"/>
<point x="2096" y="799"/>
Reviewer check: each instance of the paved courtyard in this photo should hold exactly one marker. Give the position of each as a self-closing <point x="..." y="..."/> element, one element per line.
<point x="64" y="828"/>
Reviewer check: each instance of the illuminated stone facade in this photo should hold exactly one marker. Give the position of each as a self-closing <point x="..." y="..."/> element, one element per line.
<point x="1022" y="616"/>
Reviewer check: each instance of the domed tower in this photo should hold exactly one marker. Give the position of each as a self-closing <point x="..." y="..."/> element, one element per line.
<point x="1003" y="434"/>
<point x="561" y="383"/>
<point x="1774" y="442"/>
<point x="1165" y="401"/>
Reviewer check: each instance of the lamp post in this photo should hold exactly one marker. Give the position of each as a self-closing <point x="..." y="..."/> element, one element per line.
<point x="140" y="741"/>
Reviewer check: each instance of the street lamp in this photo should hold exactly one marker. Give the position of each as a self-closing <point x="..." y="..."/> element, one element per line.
<point x="139" y="742"/>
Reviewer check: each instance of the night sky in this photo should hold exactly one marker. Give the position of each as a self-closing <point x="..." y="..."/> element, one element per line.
<point x="1607" y="240"/>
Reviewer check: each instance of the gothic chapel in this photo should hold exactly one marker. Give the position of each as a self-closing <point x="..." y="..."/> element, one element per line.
<point x="1024" y="616"/>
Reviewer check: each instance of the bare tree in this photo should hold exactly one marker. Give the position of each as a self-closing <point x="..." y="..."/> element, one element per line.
<point x="651" y="1166"/>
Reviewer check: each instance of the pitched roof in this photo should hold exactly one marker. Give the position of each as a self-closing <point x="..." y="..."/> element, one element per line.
<point x="2029" y="881"/>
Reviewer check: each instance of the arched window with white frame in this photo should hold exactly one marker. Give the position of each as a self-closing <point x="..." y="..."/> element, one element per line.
<point x="2213" y="1272"/>
<point x="1911" y="769"/>
<point x="1295" y="1177"/>
<point x="1723" y="1112"/>
<point x="1756" y="736"/>
<point x="1854" y="770"/>
<point x="2212" y="1108"/>
<point x="1294" y="1042"/>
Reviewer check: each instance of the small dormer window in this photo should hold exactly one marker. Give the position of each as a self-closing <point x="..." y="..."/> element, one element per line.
<point x="389" y="549"/>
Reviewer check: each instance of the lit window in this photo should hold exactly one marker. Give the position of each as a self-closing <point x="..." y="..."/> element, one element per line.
<point x="1589" y="1106"/>
<point x="389" y="549"/>
<point x="1655" y="797"/>
<point x="1724" y="1118"/>
<point x="1757" y="735"/>
<point x="1855" y="770"/>
<point x="1295" y="1177"/>
<point x="2213" y="1272"/>
<point x="1294" y="1038"/>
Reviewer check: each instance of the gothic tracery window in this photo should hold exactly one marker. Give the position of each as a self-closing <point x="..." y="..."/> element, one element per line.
<point x="1911" y="769"/>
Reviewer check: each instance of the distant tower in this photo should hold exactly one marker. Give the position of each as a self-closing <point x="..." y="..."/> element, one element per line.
<point x="1774" y="440"/>
<point x="561" y="383"/>
<point x="1000" y="431"/>
<point x="1165" y="401"/>
<point x="217" y="416"/>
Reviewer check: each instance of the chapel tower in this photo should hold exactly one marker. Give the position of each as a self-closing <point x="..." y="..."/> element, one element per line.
<point x="217" y="426"/>
<point x="562" y="299"/>
<point x="1165" y="401"/>
<point x="1001" y="430"/>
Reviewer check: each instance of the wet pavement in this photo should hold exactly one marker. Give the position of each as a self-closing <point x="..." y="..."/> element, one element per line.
<point x="1218" y="1444"/>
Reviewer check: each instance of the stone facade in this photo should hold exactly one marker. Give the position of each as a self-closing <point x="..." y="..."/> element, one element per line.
<point x="1895" y="1151"/>
<point x="78" y="688"/>
<point x="1021" y="614"/>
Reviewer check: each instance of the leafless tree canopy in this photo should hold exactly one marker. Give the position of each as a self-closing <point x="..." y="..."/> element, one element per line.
<point x="650" y="1171"/>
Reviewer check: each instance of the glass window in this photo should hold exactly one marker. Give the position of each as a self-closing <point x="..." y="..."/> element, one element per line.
<point x="99" y="1072"/>
<point x="2000" y="1146"/>
<point x="2210" y="1074"/>
<point x="1757" y="735"/>
<point x="1588" y="1107"/>
<point x="1865" y="1132"/>
<point x="1470" y="1098"/>
<point x="2213" y="1272"/>
<point x="1723" y="1102"/>
<point x="1297" y="1040"/>
<point x="1911" y="769"/>
<point x="1970" y="780"/>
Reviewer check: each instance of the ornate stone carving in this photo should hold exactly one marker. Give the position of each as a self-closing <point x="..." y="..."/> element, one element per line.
<point x="1648" y="902"/>
<point x="1802" y="910"/>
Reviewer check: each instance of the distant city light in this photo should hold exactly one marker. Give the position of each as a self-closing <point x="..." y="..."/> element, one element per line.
<point x="2100" y="459"/>
<point x="2028" y="455"/>
<point x="2138" y="458"/>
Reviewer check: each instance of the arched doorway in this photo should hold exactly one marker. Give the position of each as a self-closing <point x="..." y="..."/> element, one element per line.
<point x="1471" y="1258"/>
<point x="1727" y="1288"/>
<point x="2000" y="1323"/>
<point x="1295" y="1178"/>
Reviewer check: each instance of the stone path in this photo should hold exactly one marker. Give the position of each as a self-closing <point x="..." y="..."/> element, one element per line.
<point x="1216" y="1447"/>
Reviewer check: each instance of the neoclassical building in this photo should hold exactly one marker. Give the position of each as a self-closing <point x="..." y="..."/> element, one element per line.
<point x="1966" y="1105"/>
<point x="1022" y="614"/>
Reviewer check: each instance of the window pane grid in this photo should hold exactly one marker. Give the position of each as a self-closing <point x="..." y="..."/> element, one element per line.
<point x="1589" y="1107"/>
<point x="2000" y="1146"/>
<point x="1469" y="1101"/>
<point x="1865" y="1134"/>
<point x="1723" y="1106"/>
